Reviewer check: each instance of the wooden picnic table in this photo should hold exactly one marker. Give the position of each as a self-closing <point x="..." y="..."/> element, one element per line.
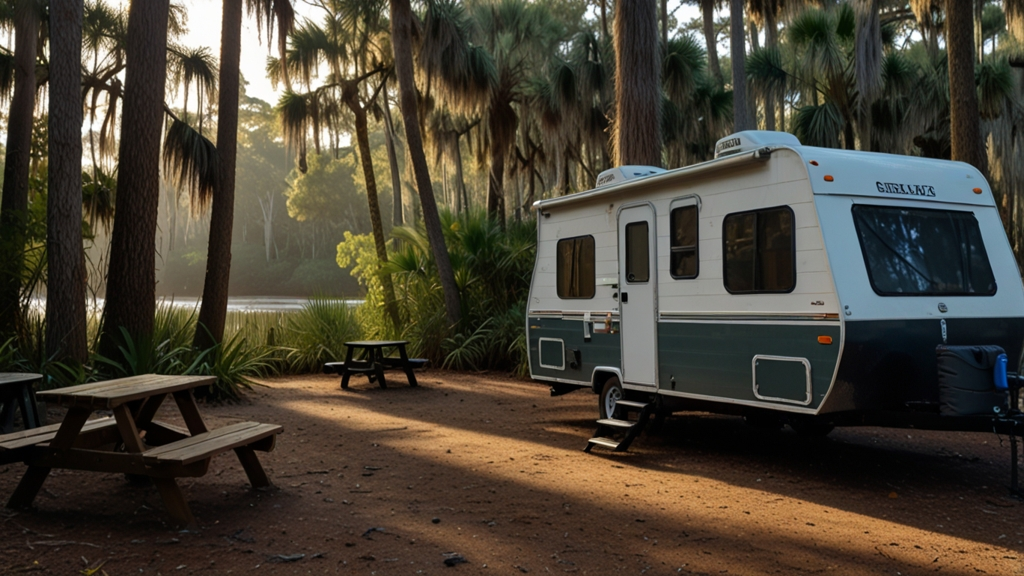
<point x="16" y="391"/>
<point x="373" y="361"/>
<point x="151" y="448"/>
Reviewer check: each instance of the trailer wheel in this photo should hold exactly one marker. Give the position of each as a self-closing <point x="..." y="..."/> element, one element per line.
<point x="610" y="394"/>
<point x="810" y="428"/>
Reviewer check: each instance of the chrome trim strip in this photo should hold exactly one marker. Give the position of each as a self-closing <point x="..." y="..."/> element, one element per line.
<point x="807" y="371"/>
<point x="749" y="316"/>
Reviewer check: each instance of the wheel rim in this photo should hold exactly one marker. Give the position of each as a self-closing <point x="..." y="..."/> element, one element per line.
<point x="613" y="396"/>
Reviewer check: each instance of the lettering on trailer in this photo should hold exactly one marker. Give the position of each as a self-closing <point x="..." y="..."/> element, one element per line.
<point x="726" y="144"/>
<point x="906" y="189"/>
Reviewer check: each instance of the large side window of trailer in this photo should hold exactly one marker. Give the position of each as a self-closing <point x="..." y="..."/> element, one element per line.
<point x="759" y="251"/>
<point x="683" y="242"/>
<point x="576" y="276"/>
<point x="923" y="252"/>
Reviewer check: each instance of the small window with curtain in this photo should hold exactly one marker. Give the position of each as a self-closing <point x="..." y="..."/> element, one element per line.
<point x="759" y="251"/>
<point x="576" y="277"/>
<point x="683" y="230"/>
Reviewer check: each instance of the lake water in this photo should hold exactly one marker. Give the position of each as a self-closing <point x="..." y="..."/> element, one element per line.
<point x="235" y="303"/>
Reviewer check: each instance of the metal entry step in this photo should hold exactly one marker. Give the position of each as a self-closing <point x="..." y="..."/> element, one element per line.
<point x="629" y="429"/>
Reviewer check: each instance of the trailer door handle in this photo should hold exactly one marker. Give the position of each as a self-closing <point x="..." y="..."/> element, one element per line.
<point x="624" y="297"/>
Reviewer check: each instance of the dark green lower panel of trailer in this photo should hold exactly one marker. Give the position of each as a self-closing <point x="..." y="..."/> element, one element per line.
<point x="557" y="342"/>
<point x="717" y="360"/>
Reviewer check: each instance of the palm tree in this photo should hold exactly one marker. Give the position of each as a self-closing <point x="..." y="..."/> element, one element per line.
<point x="131" y="299"/>
<point x="14" y="203"/>
<point x="213" y="311"/>
<point x="351" y="51"/>
<point x="637" y="133"/>
<point x="707" y="11"/>
<point x="401" y="43"/>
<point x="65" y="295"/>
<point x="964" y="123"/>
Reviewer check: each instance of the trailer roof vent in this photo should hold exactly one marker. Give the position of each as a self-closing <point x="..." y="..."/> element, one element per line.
<point x="750" y="140"/>
<point x="620" y="174"/>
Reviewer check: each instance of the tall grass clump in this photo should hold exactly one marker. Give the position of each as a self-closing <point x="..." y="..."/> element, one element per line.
<point x="317" y="334"/>
<point x="492" y="270"/>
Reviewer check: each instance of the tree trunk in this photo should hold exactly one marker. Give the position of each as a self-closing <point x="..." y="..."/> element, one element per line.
<point x="396" y="177"/>
<point x="214" y="308"/>
<point x="771" y="40"/>
<point x="711" y="39"/>
<point x="460" y="181"/>
<point x="604" y="19"/>
<point x="496" y="185"/>
<point x="14" y="204"/>
<point x="740" y="108"/>
<point x="131" y="278"/>
<point x="664" y="22"/>
<point x="366" y="160"/>
<point x="65" y="294"/>
<point x="964" y="120"/>
<point x="401" y="41"/>
<point x="637" y="84"/>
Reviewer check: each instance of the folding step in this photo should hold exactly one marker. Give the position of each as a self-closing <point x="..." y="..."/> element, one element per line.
<point x="603" y="442"/>
<point x="609" y="426"/>
<point x="616" y="423"/>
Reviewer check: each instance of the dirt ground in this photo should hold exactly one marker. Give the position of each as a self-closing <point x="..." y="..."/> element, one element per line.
<point x="491" y="469"/>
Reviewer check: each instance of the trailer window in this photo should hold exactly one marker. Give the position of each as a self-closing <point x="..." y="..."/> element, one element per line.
<point x="575" y="267"/>
<point x="684" y="242"/>
<point x="638" y="256"/>
<point x="921" y="252"/>
<point x="759" y="252"/>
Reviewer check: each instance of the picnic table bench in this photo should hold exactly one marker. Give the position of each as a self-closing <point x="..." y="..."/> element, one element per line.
<point x="16" y="391"/>
<point x="374" y="362"/>
<point x="159" y="451"/>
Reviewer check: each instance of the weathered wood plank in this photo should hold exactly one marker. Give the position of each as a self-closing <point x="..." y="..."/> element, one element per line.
<point x="209" y="444"/>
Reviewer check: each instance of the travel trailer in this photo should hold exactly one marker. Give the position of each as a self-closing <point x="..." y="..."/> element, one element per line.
<point x="786" y="283"/>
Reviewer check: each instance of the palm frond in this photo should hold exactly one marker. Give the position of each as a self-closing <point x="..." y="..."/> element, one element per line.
<point x="995" y="87"/>
<point x="684" y="60"/>
<point x="191" y="162"/>
<point x="819" y="125"/>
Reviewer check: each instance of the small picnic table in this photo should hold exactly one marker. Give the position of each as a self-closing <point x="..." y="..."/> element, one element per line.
<point x="373" y="361"/>
<point x="151" y="448"/>
<point x="16" y="390"/>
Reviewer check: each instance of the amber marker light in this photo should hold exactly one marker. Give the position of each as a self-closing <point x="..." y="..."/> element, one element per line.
<point x="814" y="162"/>
<point x="824" y="339"/>
<point x="828" y="178"/>
<point x="977" y="190"/>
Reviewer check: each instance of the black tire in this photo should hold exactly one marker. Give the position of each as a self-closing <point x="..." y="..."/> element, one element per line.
<point x="810" y="427"/>
<point x="610" y="393"/>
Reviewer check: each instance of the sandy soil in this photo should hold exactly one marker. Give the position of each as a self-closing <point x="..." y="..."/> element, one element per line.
<point x="375" y="481"/>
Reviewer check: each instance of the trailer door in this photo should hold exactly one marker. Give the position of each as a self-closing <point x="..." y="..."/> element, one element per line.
<point x="638" y="280"/>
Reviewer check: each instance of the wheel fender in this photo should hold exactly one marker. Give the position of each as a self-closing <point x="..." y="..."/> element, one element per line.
<point x="601" y="375"/>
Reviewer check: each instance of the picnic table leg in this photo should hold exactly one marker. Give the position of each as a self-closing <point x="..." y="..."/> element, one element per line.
<point x="29" y="411"/>
<point x="190" y="412"/>
<point x="174" y="501"/>
<point x="345" y="374"/>
<point x="30" y="484"/>
<point x="378" y="367"/>
<point x="407" y="366"/>
<point x="7" y="416"/>
<point x="170" y="493"/>
<point x="253" y="469"/>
